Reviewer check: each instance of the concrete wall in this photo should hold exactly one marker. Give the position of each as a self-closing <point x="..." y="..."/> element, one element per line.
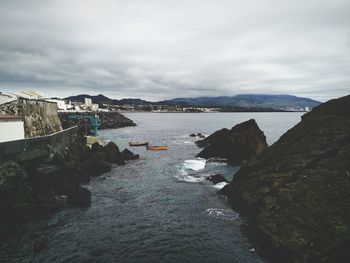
<point x="11" y="130"/>
<point x="40" y="117"/>
<point x="39" y="147"/>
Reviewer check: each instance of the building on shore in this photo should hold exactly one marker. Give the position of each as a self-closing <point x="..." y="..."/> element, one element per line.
<point x="11" y="128"/>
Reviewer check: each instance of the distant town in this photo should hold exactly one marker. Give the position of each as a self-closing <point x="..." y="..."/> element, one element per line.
<point x="101" y="103"/>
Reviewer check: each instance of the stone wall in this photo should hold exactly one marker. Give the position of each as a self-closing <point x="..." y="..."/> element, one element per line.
<point x="38" y="147"/>
<point x="40" y="117"/>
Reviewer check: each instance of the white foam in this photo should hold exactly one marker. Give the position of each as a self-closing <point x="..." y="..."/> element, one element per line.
<point x="187" y="172"/>
<point x="220" y="185"/>
<point x="195" y="165"/>
<point x="225" y="214"/>
<point x="185" y="177"/>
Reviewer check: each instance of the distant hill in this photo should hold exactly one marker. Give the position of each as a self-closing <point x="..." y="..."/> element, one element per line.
<point x="241" y="101"/>
<point x="246" y="101"/>
<point x="99" y="99"/>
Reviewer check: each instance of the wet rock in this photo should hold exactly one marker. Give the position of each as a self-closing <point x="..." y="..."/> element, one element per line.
<point x="112" y="153"/>
<point x="129" y="155"/>
<point x="243" y="142"/>
<point x="296" y="193"/>
<point x="200" y="135"/>
<point x="96" y="147"/>
<point x="193" y="135"/>
<point x="216" y="178"/>
<point x="93" y="167"/>
<point x="79" y="197"/>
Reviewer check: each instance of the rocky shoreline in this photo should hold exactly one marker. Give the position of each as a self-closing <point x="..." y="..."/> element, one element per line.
<point x="295" y="194"/>
<point x="109" y="120"/>
<point x="36" y="188"/>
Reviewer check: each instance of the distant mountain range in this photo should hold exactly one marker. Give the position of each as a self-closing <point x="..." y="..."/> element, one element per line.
<point x="243" y="101"/>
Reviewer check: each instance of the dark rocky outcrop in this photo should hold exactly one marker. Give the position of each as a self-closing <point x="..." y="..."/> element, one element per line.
<point x="113" y="120"/>
<point x="129" y="155"/>
<point x="216" y="178"/>
<point x="296" y="195"/>
<point x="112" y="153"/>
<point x="109" y="120"/>
<point x="243" y="142"/>
<point x="32" y="189"/>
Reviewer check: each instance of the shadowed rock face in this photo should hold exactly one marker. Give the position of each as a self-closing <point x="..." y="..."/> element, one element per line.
<point x="296" y="195"/>
<point x="243" y="142"/>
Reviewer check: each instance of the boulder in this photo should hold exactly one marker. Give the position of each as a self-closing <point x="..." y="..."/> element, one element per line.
<point x="296" y="193"/>
<point x="129" y="155"/>
<point x="112" y="153"/>
<point x="96" y="147"/>
<point x="200" y="135"/>
<point x="243" y="142"/>
<point x="193" y="135"/>
<point x="216" y="178"/>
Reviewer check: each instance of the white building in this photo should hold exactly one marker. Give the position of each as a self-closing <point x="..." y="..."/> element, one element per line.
<point x="307" y="108"/>
<point x="61" y="104"/>
<point x="88" y="102"/>
<point x="11" y="128"/>
<point x="94" y="107"/>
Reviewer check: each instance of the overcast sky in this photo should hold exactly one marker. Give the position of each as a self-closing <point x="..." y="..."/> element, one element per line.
<point x="160" y="49"/>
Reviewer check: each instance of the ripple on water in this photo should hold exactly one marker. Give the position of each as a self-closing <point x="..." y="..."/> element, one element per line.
<point x="223" y="214"/>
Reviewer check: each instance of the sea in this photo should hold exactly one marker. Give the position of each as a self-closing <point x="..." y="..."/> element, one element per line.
<point x="158" y="208"/>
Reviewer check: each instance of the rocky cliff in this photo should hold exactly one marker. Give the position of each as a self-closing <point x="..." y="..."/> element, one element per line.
<point x="241" y="143"/>
<point x="40" y="117"/>
<point x="296" y="195"/>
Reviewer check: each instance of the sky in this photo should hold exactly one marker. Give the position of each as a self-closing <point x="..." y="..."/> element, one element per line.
<point x="162" y="49"/>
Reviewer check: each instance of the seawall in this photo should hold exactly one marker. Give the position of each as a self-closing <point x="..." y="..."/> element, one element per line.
<point x="39" y="147"/>
<point x="40" y="117"/>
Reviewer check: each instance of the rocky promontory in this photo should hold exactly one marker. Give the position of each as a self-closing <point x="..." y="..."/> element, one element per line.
<point x="296" y="194"/>
<point x="241" y="143"/>
<point x="109" y="120"/>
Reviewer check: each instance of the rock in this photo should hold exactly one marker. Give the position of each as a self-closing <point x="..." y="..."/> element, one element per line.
<point x="79" y="197"/>
<point x="296" y="193"/>
<point x="112" y="153"/>
<point x="193" y="135"/>
<point x="217" y="178"/>
<point x="243" y="142"/>
<point x="200" y="135"/>
<point x="96" y="147"/>
<point x="94" y="167"/>
<point x="128" y="155"/>
<point x="15" y="190"/>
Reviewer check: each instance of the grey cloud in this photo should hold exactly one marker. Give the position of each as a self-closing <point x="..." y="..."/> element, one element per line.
<point x="157" y="49"/>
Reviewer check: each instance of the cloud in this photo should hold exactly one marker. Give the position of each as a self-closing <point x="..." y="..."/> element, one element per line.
<point x="163" y="49"/>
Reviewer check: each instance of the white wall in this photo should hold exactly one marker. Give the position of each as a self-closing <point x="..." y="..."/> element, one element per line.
<point x="11" y="130"/>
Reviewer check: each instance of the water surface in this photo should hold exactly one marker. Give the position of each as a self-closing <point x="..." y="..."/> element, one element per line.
<point x="158" y="208"/>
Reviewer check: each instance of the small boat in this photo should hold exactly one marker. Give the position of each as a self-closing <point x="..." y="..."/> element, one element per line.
<point x="157" y="148"/>
<point x="138" y="143"/>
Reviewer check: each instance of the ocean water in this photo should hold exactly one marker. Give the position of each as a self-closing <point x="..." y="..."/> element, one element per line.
<point x="159" y="208"/>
